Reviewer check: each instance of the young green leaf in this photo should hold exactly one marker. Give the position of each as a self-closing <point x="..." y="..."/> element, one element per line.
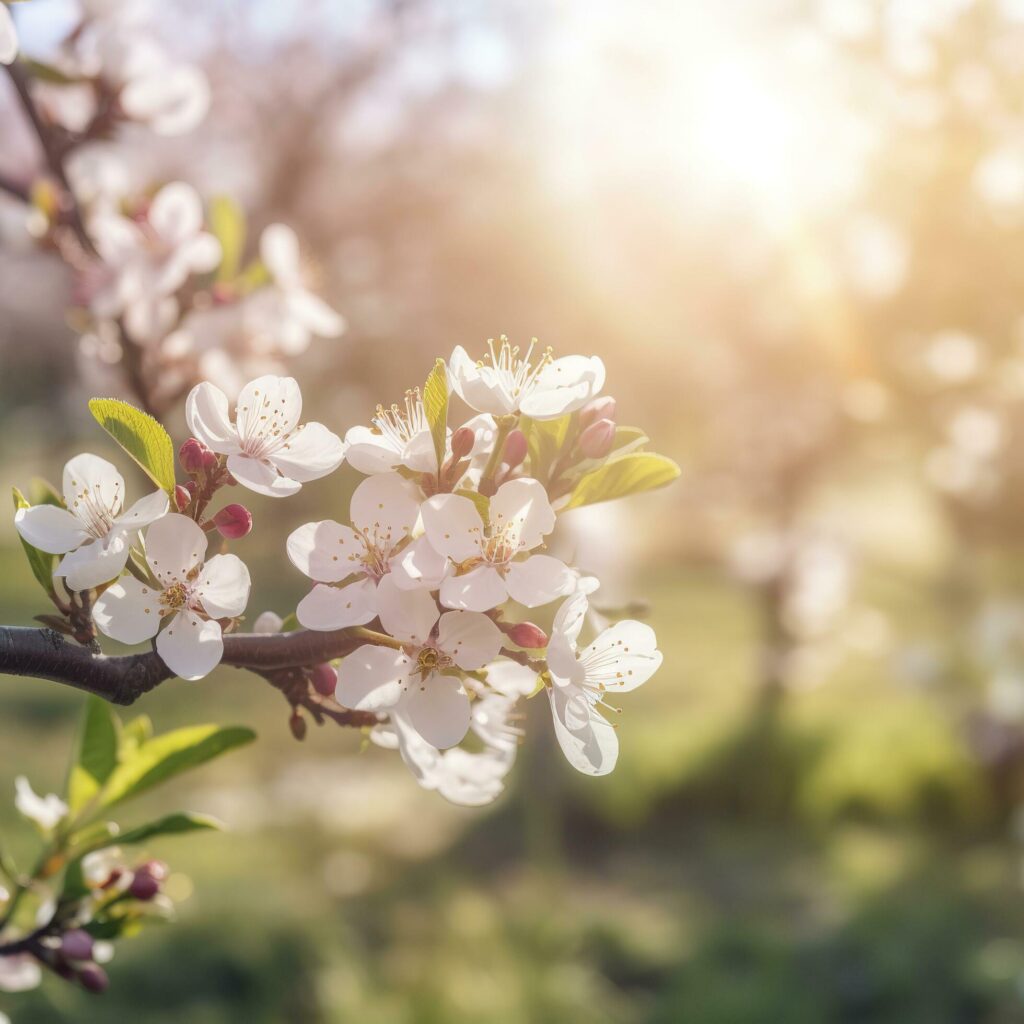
<point x="628" y="474"/>
<point x="227" y="222"/>
<point x="172" y="824"/>
<point x="42" y="492"/>
<point x="95" y="755"/>
<point x="163" y="757"/>
<point x="41" y="563"/>
<point x="133" y="734"/>
<point x="141" y="436"/>
<point x="545" y="441"/>
<point x="435" y="405"/>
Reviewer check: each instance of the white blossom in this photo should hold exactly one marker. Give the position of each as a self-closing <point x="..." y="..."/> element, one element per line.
<point x="92" y="533"/>
<point x="19" y="973"/>
<point x="488" y="571"/>
<point x="508" y="381"/>
<point x="621" y="658"/>
<point x="189" y="600"/>
<point x="47" y="812"/>
<point x="146" y="262"/>
<point x="8" y="36"/>
<point x="267" y="450"/>
<point x="383" y="513"/>
<point x="421" y="681"/>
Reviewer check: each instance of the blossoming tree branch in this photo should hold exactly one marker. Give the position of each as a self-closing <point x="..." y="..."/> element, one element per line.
<point x="417" y="625"/>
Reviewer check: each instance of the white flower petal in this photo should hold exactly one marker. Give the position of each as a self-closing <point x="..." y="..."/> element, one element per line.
<point x="50" y="528"/>
<point x="571" y="616"/>
<point x="268" y="407"/>
<point x="539" y="580"/>
<point x="384" y="508"/>
<point x="327" y="551"/>
<point x="469" y="638"/>
<point x="510" y="678"/>
<point x="190" y="647"/>
<point x="8" y="47"/>
<point x="623" y="657"/>
<point x="20" y="972"/>
<point x="175" y="545"/>
<point x="373" y="678"/>
<point x="261" y="476"/>
<point x="522" y="506"/>
<point x="419" y="454"/>
<point x="453" y="526"/>
<point x="407" y="615"/>
<point x="419" y="566"/>
<point x="369" y="452"/>
<point x="478" y="590"/>
<point x="438" y="709"/>
<point x="206" y="410"/>
<point x="309" y="453"/>
<point x="478" y="386"/>
<point x="589" y="743"/>
<point x="44" y="811"/>
<point x="268" y="622"/>
<point x="90" y="480"/>
<point x="279" y="251"/>
<point x="314" y="314"/>
<point x="95" y="562"/>
<point x="128" y="611"/>
<point x="564" y="386"/>
<point x="145" y="511"/>
<point x="176" y="213"/>
<point x="223" y="586"/>
<point x="327" y="607"/>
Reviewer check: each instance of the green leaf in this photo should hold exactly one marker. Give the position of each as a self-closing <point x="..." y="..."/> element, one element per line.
<point x="628" y="439"/>
<point x="172" y="824"/>
<point x="619" y="477"/>
<point x="47" y="72"/>
<point x="133" y="734"/>
<point x="545" y="439"/>
<point x="435" y="405"/>
<point x="96" y="754"/>
<point x="42" y="492"/>
<point x="227" y="222"/>
<point x="290" y="623"/>
<point x="74" y="887"/>
<point x="41" y="563"/>
<point x="165" y="756"/>
<point x="141" y="436"/>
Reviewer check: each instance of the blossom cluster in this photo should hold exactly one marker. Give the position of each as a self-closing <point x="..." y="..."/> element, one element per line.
<point x="431" y="573"/>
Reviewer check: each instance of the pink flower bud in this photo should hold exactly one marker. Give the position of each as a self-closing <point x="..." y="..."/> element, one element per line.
<point x="233" y="521"/>
<point x="195" y="457"/>
<point x="93" y="978"/>
<point x="597" y="440"/>
<point x="526" y="634"/>
<point x="515" y="448"/>
<point x="462" y="442"/>
<point x="598" y="409"/>
<point x="182" y="497"/>
<point x="144" y="886"/>
<point x="325" y="679"/>
<point x="76" y="944"/>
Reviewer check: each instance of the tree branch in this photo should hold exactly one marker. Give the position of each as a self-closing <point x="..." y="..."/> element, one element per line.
<point x="122" y="679"/>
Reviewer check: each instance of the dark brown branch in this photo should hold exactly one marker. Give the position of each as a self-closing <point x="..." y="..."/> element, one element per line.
<point x="122" y="679"/>
<point x="13" y="188"/>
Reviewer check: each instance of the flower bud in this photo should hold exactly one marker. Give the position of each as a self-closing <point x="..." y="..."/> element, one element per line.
<point x="233" y="521"/>
<point x="182" y="497"/>
<point x="526" y="634"/>
<point x="195" y="457"/>
<point x="462" y="442"/>
<point x="515" y="448"/>
<point x="597" y="440"/>
<point x="297" y="724"/>
<point x="325" y="679"/>
<point x="146" y="883"/>
<point x="598" y="409"/>
<point x="93" y="978"/>
<point x="76" y="944"/>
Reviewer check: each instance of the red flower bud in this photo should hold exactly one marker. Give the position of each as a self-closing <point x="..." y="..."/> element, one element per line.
<point x="526" y="634"/>
<point x="76" y="944"/>
<point x="157" y="868"/>
<point x="598" y="409"/>
<point x="462" y="442"/>
<point x="297" y="724"/>
<point x="515" y="448"/>
<point x="146" y="883"/>
<point x="597" y="440"/>
<point x="182" y="496"/>
<point x="233" y="521"/>
<point x="325" y="679"/>
<point x="93" y="978"/>
<point x="195" y="457"/>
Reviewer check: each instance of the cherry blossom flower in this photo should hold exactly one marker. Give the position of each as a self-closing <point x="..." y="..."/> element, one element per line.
<point x="92" y="533"/>
<point x="487" y="573"/>
<point x="509" y="381"/>
<point x="189" y="600"/>
<point x="8" y="36"/>
<point x="46" y="812"/>
<point x="147" y="262"/>
<point x="621" y="658"/>
<point x="19" y="972"/>
<point x="420" y="682"/>
<point x="267" y="450"/>
<point x="383" y="513"/>
<point x="287" y="313"/>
